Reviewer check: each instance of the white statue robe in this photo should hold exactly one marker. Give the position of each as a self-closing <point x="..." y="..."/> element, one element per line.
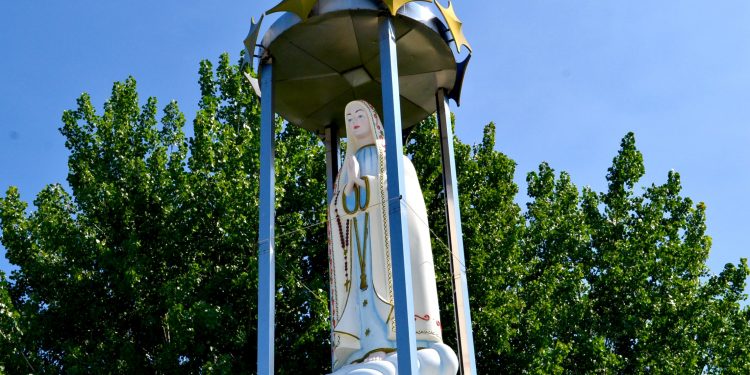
<point x="360" y="263"/>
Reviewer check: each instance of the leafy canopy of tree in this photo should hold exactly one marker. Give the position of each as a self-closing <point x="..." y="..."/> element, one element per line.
<point x="147" y="264"/>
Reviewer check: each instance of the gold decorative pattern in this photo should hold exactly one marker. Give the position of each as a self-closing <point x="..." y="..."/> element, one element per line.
<point x="346" y="334"/>
<point x="358" y="205"/>
<point x="455" y="25"/>
<point x="362" y="251"/>
<point x="431" y="333"/>
<point x="301" y="8"/>
<point x="252" y="37"/>
<point x="367" y="196"/>
<point x="395" y="5"/>
<point x="384" y="350"/>
<point x="380" y="132"/>
<point x="356" y="201"/>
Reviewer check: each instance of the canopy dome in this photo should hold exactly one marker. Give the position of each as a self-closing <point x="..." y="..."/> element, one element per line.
<point x="333" y="57"/>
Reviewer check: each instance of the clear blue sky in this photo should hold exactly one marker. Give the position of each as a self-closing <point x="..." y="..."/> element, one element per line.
<point x="563" y="81"/>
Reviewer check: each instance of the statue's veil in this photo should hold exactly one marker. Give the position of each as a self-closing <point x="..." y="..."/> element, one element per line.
<point x="381" y="268"/>
<point x="345" y="321"/>
<point x="378" y="134"/>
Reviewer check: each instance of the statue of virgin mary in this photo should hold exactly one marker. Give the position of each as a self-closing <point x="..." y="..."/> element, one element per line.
<point x="362" y="301"/>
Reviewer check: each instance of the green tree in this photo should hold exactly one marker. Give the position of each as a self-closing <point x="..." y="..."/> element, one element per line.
<point x="148" y="262"/>
<point x="149" y="266"/>
<point x="648" y="259"/>
<point x="12" y="353"/>
<point x="492" y="230"/>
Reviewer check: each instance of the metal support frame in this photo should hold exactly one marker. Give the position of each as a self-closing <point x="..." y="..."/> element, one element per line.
<point x="406" y="342"/>
<point x="399" y="236"/>
<point x="331" y="140"/>
<point x="266" y="242"/>
<point x="467" y="363"/>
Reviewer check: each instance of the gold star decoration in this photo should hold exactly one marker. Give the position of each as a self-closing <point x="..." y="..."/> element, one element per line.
<point x="252" y="37"/>
<point x="455" y="25"/>
<point x="395" y="5"/>
<point x="250" y="43"/>
<point x="301" y="8"/>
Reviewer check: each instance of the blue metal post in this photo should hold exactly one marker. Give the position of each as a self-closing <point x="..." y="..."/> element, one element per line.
<point x="465" y="337"/>
<point x="402" y="281"/>
<point x="332" y="158"/>
<point x="266" y="261"/>
<point x="331" y="140"/>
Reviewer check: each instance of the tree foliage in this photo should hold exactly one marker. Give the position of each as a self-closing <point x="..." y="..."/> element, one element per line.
<point x="148" y="262"/>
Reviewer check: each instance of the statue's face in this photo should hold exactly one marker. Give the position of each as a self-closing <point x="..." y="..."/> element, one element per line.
<point x="358" y="124"/>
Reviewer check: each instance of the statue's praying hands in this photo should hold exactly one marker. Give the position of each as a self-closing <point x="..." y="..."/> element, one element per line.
<point x="351" y="166"/>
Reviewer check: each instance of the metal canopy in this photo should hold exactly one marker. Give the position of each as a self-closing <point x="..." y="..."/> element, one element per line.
<point x="315" y="59"/>
<point x="333" y="57"/>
